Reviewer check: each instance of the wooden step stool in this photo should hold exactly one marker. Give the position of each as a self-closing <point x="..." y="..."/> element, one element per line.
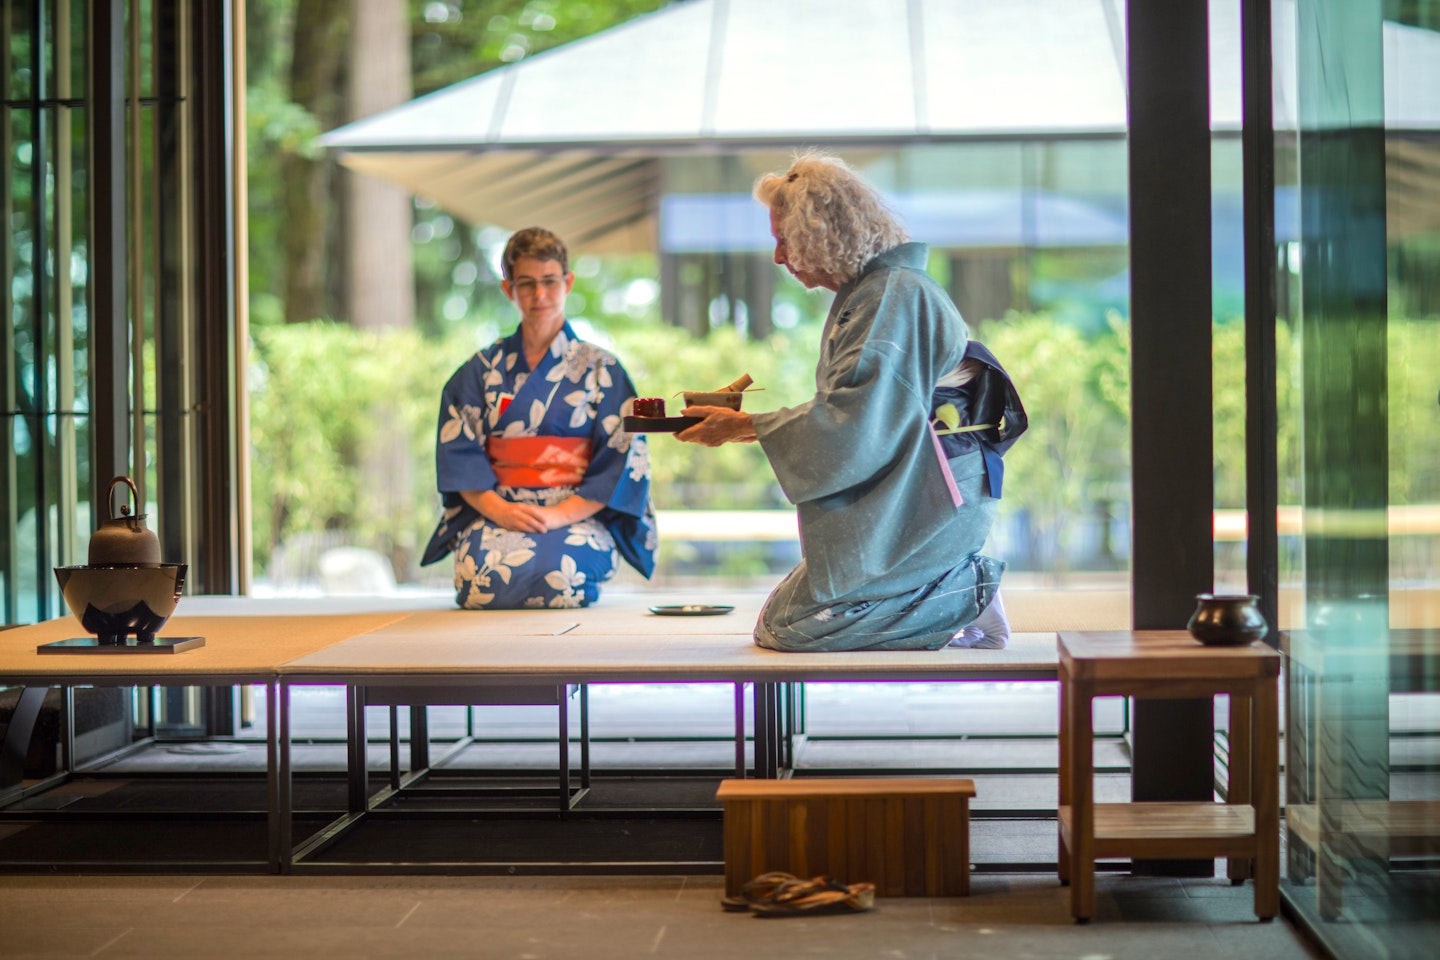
<point x="908" y="836"/>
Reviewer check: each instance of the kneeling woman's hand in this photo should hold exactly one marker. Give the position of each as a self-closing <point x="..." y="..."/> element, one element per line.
<point x="530" y="517"/>
<point x="523" y="517"/>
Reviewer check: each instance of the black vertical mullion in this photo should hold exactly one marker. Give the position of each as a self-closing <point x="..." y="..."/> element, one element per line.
<point x="9" y="471"/>
<point x="173" y="497"/>
<point x="66" y="467"/>
<point x="1170" y="310"/>
<point x="39" y="302"/>
<point x="109" y="327"/>
<point x="1171" y="411"/>
<point x="220" y="511"/>
<point x="1262" y="557"/>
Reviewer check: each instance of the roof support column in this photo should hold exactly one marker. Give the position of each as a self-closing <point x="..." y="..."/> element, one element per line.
<point x="1170" y="328"/>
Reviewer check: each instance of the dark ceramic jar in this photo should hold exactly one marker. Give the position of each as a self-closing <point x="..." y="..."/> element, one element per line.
<point x="1231" y="620"/>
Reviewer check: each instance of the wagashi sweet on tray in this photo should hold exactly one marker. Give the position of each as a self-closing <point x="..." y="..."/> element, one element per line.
<point x="648" y="413"/>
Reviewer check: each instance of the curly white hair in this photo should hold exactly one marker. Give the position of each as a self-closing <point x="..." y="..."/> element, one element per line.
<point x="833" y="222"/>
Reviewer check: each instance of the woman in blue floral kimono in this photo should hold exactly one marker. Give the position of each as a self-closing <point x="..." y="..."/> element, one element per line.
<point x="894" y="463"/>
<point x="542" y="489"/>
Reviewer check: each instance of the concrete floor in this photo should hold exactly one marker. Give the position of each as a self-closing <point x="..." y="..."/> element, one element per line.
<point x="612" y="918"/>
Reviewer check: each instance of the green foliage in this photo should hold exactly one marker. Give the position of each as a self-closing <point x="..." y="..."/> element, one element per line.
<point x="454" y="286"/>
<point x="1228" y="385"/>
<point x="454" y="40"/>
<point x="1414" y="350"/>
<point x="1075" y="456"/>
<point x="1230" y="400"/>
<point x="451" y="41"/>
<point x="276" y="128"/>
<point x="326" y="397"/>
<point x="273" y="122"/>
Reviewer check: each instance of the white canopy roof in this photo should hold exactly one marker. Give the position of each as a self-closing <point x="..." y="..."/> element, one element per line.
<point x="569" y="137"/>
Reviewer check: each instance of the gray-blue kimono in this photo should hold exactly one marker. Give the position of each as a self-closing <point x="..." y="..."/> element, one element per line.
<point x="891" y="525"/>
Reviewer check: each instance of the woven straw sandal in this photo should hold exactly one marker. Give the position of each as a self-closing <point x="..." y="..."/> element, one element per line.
<point x="817" y="896"/>
<point x="760" y="889"/>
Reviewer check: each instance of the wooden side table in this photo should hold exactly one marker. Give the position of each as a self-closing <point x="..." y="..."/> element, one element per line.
<point x="1170" y="664"/>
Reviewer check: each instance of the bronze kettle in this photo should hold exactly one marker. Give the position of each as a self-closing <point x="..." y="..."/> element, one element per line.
<point x="124" y="540"/>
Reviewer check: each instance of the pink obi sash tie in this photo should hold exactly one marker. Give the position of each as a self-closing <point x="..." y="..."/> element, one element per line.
<point x="539" y="461"/>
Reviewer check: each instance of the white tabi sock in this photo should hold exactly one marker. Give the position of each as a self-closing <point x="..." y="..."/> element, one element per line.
<point x="989" y="631"/>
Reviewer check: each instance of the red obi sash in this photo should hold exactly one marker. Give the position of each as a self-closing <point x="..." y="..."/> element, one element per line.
<point x="539" y="461"/>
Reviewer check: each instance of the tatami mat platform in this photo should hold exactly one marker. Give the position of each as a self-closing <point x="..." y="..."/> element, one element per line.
<point x="244" y="913"/>
<point x="638" y="730"/>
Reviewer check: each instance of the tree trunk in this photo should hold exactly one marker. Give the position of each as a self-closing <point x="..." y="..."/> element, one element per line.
<point x="321" y="28"/>
<point x="380" y="288"/>
<point x="379" y="275"/>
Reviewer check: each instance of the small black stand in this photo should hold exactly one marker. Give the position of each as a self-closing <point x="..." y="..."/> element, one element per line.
<point x="126" y="645"/>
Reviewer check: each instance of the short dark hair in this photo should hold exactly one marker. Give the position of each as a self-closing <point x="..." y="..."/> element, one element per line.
<point x="537" y="243"/>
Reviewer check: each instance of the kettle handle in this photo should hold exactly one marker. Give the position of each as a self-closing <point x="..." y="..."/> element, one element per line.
<point x="110" y="497"/>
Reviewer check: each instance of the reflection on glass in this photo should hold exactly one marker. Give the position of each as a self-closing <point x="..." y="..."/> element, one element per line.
<point x="1360" y="579"/>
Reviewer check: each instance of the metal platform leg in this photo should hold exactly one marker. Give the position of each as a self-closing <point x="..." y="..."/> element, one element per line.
<point x="564" y="744"/>
<point x="767" y="730"/>
<point x="740" y="730"/>
<point x="585" y="736"/>
<point x="16" y="744"/>
<point x="278" y="775"/>
<point x="359" y="775"/>
<point x="395" y="747"/>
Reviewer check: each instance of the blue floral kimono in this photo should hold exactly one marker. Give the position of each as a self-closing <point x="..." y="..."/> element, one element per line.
<point x="892" y="520"/>
<point x="578" y="391"/>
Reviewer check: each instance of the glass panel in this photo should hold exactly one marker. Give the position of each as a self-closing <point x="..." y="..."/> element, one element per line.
<point x="74" y="396"/>
<point x="18" y="75"/>
<point x="1228" y="352"/>
<point x="44" y="347"/>
<point x="15" y="184"/>
<point x="47" y="384"/>
<point x="1030" y="239"/>
<point x="1026" y="220"/>
<point x="1362" y="792"/>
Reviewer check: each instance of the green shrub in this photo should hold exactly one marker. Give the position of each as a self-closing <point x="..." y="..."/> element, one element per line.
<point x="1075" y="457"/>
<point x="342" y="425"/>
<point x="342" y="434"/>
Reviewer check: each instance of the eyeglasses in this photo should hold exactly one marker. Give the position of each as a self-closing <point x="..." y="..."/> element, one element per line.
<point x="527" y="286"/>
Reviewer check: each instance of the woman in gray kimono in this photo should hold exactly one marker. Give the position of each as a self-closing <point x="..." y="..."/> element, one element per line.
<point x="895" y="498"/>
